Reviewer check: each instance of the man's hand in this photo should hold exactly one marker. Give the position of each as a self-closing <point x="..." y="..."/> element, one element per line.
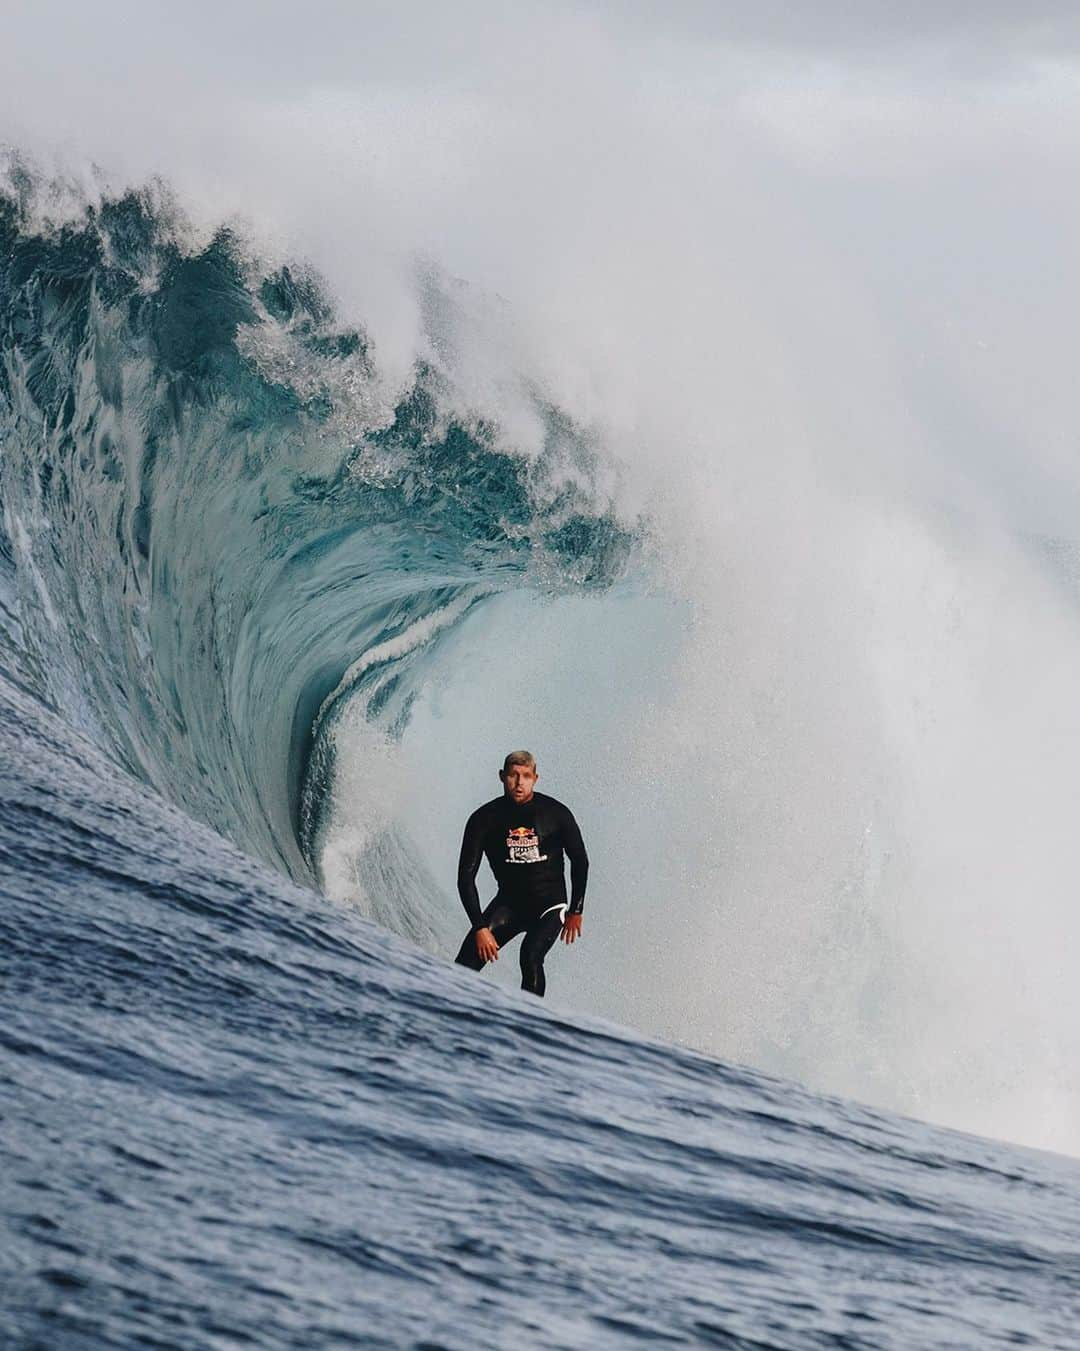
<point x="486" y="947"/>
<point x="571" y="929"/>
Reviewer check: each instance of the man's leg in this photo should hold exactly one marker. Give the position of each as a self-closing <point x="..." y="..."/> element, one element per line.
<point x="536" y="946"/>
<point x="503" y="923"/>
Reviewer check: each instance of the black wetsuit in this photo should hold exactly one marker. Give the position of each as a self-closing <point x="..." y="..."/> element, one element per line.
<point x="525" y="845"/>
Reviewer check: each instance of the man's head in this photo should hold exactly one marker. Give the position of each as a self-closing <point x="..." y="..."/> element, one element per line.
<point x="519" y="775"/>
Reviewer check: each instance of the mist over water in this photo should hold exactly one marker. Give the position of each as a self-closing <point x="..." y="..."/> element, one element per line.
<point x="814" y="311"/>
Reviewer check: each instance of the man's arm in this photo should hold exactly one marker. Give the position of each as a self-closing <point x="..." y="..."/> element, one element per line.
<point x="472" y="851"/>
<point x="574" y="847"/>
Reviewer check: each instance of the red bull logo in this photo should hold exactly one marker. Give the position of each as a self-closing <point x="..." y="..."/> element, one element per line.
<point x="523" y="845"/>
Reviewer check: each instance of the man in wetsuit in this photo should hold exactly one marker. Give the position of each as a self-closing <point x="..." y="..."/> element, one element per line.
<point x="525" y="836"/>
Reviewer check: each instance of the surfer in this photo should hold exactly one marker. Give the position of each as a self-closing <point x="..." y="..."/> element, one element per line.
<point x="525" y="836"/>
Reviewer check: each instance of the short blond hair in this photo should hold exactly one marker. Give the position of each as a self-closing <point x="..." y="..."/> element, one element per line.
<point x="518" y="758"/>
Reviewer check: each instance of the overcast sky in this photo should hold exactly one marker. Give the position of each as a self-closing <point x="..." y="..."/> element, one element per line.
<point x="341" y="42"/>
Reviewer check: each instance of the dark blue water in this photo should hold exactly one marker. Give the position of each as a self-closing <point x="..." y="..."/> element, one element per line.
<point x="235" y="1113"/>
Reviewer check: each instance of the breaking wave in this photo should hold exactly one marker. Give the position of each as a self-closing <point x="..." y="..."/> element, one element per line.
<point x="221" y="528"/>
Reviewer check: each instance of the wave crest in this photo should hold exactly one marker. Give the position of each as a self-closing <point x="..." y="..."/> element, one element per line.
<point x="221" y="527"/>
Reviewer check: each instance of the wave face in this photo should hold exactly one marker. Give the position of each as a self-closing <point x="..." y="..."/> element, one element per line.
<point x="312" y="604"/>
<point x="236" y="1114"/>
<point x="241" y="1113"/>
<point x="220" y="530"/>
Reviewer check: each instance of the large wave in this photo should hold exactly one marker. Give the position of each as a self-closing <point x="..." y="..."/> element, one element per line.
<point x="826" y="769"/>
<point x="221" y="529"/>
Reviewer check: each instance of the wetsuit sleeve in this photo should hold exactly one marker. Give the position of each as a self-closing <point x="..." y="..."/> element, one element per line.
<point x="579" y="863"/>
<point x="472" y="851"/>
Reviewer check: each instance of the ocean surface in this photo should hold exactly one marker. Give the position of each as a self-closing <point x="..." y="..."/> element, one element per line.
<point x="238" y="1112"/>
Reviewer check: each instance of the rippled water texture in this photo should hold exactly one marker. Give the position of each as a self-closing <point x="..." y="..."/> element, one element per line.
<point x="234" y="1114"/>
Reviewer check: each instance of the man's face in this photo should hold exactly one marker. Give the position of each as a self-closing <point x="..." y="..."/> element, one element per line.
<point x="519" y="782"/>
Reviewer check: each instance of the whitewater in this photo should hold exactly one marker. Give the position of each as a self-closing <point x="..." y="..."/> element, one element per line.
<point x="702" y="426"/>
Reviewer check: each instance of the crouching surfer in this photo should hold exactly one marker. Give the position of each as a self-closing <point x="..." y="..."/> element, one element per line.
<point x="526" y="836"/>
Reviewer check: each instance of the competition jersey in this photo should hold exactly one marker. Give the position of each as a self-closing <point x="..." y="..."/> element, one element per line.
<point x="525" y="845"/>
